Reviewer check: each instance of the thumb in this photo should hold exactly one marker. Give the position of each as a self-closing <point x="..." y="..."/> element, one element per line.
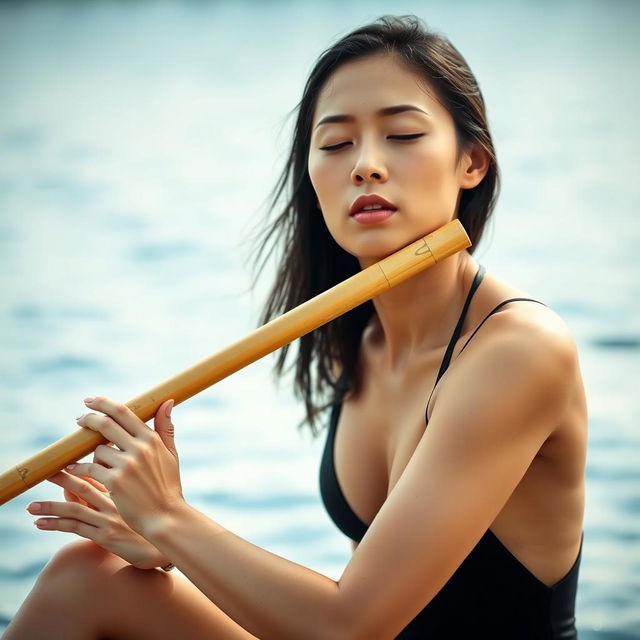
<point x="164" y="427"/>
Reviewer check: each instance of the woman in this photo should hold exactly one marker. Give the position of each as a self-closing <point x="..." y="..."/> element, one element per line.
<point x="471" y="526"/>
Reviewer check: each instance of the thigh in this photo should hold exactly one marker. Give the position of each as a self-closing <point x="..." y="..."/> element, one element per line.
<point x="122" y="602"/>
<point x="156" y="605"/>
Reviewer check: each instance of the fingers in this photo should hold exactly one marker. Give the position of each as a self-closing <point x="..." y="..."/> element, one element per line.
<point x="120" y="413"/>
<point x="93" y="470"/>
<point x="68" y="525"/>
<point x="87" y="489"/>
<point x="110" y="429"/>
<point x="73" y="517"/>
<point x="163" y="426"/>
<point x="107" y="456"/>
<point x="99" y="486"/>
<point x="66" y="512"/>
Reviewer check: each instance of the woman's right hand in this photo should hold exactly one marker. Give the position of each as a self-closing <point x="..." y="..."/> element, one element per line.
<point x="89" y="512"/>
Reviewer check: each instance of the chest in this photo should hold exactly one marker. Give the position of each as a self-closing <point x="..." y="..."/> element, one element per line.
<point x="376" y="436"/>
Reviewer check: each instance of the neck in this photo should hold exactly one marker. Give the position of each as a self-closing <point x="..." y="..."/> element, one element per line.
<point x="420" y="313"/>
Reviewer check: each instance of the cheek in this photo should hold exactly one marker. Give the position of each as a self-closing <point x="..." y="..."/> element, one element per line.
<point x="325" y="181"/>
<point x="432" y="171"/>
<point x="322" y="179"/>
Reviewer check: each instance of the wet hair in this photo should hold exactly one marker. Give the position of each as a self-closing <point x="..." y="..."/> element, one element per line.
<point x="309" y="260"/>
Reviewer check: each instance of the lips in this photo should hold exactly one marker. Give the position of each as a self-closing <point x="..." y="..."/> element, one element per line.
<point x="372" y="202"/>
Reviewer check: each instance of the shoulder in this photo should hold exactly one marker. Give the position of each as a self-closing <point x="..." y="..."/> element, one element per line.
<point x="527" y="328"/>
<point x="521" y="364"/>
<point x="528" y="334"/>
<point x="521" y="330"/>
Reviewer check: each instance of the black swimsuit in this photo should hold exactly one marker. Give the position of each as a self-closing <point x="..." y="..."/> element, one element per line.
<point x="491" y="594"/>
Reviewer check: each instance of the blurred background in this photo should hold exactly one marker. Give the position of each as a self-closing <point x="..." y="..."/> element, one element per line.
<point x="138" y="144"/>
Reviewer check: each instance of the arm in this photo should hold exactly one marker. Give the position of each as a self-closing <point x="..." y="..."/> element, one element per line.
<point x="469" y="461"/>
<point x="266" y="594"/>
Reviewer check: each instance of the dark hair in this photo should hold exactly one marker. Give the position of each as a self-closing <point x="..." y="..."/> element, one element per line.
<point x="310" y="261"/>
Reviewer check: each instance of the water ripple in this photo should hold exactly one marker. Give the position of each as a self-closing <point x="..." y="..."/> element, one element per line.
<point x="64" y="363"/>
<point x="28" y="570"/>
<point x="239" y="501"/>
<point x="162" y="251"/>
<point x="21" y="138"/>
<point x="617" y="342"/>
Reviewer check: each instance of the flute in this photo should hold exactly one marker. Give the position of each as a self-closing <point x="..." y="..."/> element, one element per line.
<point x="310" y="315"/>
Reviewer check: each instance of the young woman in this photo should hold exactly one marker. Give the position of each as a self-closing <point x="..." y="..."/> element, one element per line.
<point x="456" y="446"/>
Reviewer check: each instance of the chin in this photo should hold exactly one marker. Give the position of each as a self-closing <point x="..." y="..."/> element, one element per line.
<point x="376" y="246"/>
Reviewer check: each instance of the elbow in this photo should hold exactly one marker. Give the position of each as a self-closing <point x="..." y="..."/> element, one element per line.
<point x="354" y="618"/>
<point x="340" y="625"/>
<point x="355" y="625"/>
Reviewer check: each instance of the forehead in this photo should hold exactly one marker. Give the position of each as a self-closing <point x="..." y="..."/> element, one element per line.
<point x="372" y="83"/>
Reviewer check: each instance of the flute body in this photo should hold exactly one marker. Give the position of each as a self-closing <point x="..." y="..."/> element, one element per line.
<point x="310" y="315"/>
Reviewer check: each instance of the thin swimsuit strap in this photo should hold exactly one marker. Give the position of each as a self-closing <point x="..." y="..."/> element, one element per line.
<point x="446" y="361"/>
<point x="458" y="330"/>
<point x="494" y="311"/>
<point x="444" y="365"/>
<point x="491" y="580"/>
<point x="335" y="501"/>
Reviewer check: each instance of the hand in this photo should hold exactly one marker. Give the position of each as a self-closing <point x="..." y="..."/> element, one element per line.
<point x="141" y="474"/>
<point x="89" y="512"/>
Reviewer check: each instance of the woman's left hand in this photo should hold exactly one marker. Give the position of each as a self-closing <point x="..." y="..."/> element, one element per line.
<point x="142" y="474"/>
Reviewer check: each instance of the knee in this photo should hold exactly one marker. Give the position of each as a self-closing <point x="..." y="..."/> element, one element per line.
<point x="81" y="561"/>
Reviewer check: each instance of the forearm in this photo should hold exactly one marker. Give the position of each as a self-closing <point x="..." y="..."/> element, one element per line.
<point x="268" y="595"/>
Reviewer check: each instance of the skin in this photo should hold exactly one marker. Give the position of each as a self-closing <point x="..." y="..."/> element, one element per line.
<point x="406" y="157"/>
<point x="504" y="449"/>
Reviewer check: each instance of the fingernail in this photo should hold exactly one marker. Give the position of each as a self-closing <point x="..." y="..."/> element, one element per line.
<point x="34" y="506"/>
<point x="89" y="400"/>
<point x="82" y="415"/>
<point x="70" y="467"/>
<point x="167" y="411"/>
<point x="42" y="522"/>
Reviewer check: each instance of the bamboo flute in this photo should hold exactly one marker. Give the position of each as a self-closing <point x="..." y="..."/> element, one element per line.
<point x="310" y="315"/>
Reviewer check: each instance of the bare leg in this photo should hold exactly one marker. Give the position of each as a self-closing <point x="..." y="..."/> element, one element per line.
<point x="87" y="593"/>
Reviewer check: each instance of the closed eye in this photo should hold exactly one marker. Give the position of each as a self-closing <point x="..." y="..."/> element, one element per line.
<point x="406" y="136"/>
<point x="334" y="147"/>
<point x="403" y="136"/>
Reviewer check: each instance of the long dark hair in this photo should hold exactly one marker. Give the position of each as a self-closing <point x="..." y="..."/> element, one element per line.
<point x="309" y="259"/>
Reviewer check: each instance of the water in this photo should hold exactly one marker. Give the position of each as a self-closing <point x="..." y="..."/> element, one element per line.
<point x="137" y="145"/>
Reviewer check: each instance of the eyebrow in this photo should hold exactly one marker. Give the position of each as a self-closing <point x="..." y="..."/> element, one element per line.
<point x="386" y="111"/>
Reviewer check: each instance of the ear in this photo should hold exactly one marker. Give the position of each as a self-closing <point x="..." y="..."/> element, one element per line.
<point x="474" y="165"/>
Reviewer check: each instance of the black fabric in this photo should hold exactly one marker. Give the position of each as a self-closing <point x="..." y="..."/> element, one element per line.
<point x="492" y="594"/>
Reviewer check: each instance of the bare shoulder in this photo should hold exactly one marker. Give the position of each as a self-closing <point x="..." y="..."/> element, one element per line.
<point x="514" y="385"/>
<point x="531" y="328"/>
<point x="521" y="351"/>
<point x="527" y="328"/>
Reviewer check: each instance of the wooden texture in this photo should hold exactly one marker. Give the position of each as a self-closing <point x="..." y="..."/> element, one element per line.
<point x="308" y="316"/>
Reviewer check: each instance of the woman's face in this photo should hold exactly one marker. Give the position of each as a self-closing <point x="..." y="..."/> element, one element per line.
<point x="377" y="131"/>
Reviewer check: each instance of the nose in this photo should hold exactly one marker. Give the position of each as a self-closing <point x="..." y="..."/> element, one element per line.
<point x="369" y="167"/>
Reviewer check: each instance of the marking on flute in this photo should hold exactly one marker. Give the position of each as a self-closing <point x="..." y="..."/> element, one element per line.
<point x="23" y="472"/>
<point x="385" y="275"/>
<point x="420" y="251"/>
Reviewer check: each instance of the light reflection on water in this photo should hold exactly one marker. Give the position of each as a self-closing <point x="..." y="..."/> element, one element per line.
<point x="137" y="145"/>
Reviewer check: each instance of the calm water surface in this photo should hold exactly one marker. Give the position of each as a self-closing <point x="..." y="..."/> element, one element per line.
<point x="138" y="142"/>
